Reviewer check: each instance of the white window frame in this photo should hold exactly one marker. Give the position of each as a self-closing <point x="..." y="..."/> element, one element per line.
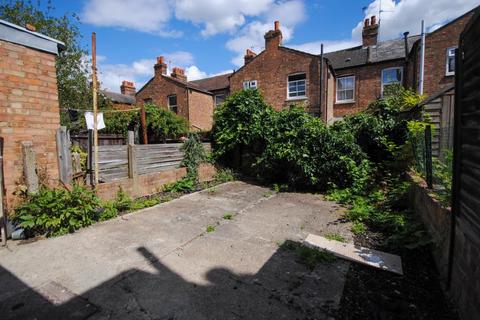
<point x="220" y="95"/>
<point x="288" y="86"/>
<point x="250" y="84"/>
<point x="447" y="59"/>
<point x="338" y="101"/>
<point x="387" y="69"/>
<point x="170" y="107"/>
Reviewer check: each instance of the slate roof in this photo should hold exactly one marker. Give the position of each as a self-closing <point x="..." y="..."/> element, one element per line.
<point x="119" y="98"/>
<point x="383" y="51"/>
<point x="213" y="83"/>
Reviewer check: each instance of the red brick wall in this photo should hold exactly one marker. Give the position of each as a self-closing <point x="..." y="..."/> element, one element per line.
<point x="436" y="45"/>
<point x="160" y="88"/>
<point x="367" y="86"/>
<point x="271" y="69"/>
<point x="28" y="112"/>
<point x="200" y="107"/>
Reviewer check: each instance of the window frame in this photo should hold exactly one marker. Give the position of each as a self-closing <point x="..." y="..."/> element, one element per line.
<point x="288" y="86"/>
<point x="215" y="98"/>
<point x="337" y="101"/>
<point x="382" y="85"/>
<point x="447" y="60"/>
<point x="250" y="84"/>
<point x="170" y="107"/>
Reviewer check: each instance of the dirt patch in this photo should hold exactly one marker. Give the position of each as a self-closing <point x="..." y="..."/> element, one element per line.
<point x="376" y="294"/>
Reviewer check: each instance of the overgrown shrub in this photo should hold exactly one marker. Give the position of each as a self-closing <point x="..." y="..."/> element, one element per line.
<point x="59" y="211"/>
<point x="163" y="124"/>
<point x="194" y="155"/>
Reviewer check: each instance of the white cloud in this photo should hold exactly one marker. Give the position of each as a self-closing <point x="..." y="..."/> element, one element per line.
<point x="143" y="15"/>
<point x="219" y="15"/>
<point x="289" y="13"/>
<point x="194" y="73"/>
<point x="328" y="46"/>
<point x="406" y="15"/>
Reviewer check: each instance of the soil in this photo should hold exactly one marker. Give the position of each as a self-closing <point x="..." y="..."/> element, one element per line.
<point x="375" y="294"/>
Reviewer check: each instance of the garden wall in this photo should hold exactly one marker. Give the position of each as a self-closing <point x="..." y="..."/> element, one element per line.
<point x="148" y="184"/>
<point x="436" y="219"/>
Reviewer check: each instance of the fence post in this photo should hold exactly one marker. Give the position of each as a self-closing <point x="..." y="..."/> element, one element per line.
<point x="132" y="159"/>
<point x="64" y="155"/>
<point x="428" y="156"/>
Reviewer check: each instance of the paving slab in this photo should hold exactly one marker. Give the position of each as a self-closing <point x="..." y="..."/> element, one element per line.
<point x="160" y="263"/>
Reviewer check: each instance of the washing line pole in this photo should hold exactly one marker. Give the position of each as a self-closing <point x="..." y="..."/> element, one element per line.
<point x="422" y="59"/>
<point x="95" y="120"/>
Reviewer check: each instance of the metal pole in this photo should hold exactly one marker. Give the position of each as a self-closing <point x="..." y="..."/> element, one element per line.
<point x="95" y="124"/>
<point x="321" y="83"/>
<point x="422" y="59"/>
<point x="428" y="156"/>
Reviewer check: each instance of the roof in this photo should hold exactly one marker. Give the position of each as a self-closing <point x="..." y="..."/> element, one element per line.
<point x="383" y="51"/>
<point x="213" y="83"/>
<point x="188" y="85"/>
<point x="119" y="97"/>
<point x="13" y="33"/>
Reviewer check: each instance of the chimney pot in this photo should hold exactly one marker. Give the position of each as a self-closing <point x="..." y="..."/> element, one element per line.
<point x="30" y="27"/>
<point x="128" y="88"/>
<point x="249" y="55"/>
<point x="277" y="25"/>
<point x="179" y="74"/>
<point x="160" y="67"/>
<point x="370" y="32"/>
<point x="373" y="20"/>
<point x="160" y="60"/>
<point x="367" y="23"/>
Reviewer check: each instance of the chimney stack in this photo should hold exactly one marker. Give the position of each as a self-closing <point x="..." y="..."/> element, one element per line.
<point x="179" y="74"/>
<point x="273" y="38"/>
<point x="160" y="67"/>
<point x="370" y="32"/>
<point x="128" y="88"/>
<point x="249" y="55"/>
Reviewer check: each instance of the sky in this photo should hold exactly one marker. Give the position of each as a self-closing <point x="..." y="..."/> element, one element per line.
<point x="209" y="37"/>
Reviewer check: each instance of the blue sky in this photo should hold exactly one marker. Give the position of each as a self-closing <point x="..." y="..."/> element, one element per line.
<point x="208" y="37"/>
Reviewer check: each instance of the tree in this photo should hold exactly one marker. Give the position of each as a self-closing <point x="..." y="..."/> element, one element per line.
<point x="74" y="90"/>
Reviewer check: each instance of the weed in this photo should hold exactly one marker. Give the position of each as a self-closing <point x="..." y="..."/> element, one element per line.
<point x="228" y="216"/>
<point x="212" y="190"/>
<point x="268" y="194"/>
<point x="335" y="236"/>
<point x="184" y="185"/>
<point x="224" y="175"/>
<point x="308" y="256"/>
<point x="210" y="228"/>
<point x="358" y="228"/>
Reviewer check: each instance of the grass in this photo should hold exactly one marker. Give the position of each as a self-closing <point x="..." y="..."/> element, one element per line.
<point x="335" y="236"/>
<point x="268" y="194"/>
<point x="228" y="216"/>
<point x="210" y="229"/>
<point x="308" y="256"/>
<point x="358" y="228"/>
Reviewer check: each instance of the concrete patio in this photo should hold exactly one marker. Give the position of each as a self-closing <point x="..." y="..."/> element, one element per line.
<point x="160" y="263"/>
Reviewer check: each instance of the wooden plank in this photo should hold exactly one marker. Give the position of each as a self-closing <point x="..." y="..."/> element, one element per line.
<point x="349" y="251"/>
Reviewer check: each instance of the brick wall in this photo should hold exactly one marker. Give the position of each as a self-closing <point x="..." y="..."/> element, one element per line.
<point x="436" y="45"/>
<point x="148" y="184"/>
<point x="200" y="107"/>
<point x="159" y="88"/>
<point x="28" y="111"/>
<point x="271" y="69"/>
<point x="367" y="86"/>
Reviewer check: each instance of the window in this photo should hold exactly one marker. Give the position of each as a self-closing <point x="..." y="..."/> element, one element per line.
<point x="391" y="76"/>
<point x="172" y="103"/>
<point x="297" y="86"/>
<point x="219" y="99"/>
<point x="250" y="84"/>
<point x="450" y="66"/>
<point x="346" y="89"/>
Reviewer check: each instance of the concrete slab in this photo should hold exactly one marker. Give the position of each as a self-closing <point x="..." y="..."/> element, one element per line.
<point x="160" y="263"/>
<point x="370" y="257"/>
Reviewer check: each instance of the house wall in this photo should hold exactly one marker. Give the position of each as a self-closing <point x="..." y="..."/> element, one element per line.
<point x="271" y="69"/>
<point x="29" y="111"/>
<point x="436" y="45"/>
<point x="200" y="110"/>
<point x="367" y="86"/>
<point x="159" y="88"/>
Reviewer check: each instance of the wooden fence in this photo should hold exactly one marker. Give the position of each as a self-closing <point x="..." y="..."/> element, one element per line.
<point x="119" y="162"/>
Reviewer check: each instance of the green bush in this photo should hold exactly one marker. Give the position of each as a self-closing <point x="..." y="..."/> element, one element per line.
<point x="184" y="185"/>
<point x="194" y="155"/>
<point x="58" y="211"/>
<point x="163" y="124"/>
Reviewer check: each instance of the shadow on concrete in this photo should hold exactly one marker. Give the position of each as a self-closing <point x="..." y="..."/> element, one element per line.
<point x="282" y="289"/>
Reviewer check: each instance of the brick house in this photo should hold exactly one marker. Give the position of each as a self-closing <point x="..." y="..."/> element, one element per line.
<point x="124" y="100"/>
<point x="286" y="76"/>
<point x="439" y="65"/>
<point x="29" y="110"/>
<point x="193" y="100"/>
<point x="363" y="72"/>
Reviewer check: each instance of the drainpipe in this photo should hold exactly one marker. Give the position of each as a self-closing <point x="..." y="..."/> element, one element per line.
<point x="405" y="40"/>
<point x="321" y="80"/>
<point x="422" y="59"/>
